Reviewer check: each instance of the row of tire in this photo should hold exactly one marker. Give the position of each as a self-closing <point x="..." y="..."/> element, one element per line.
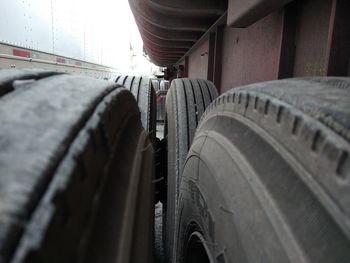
<point x="259" y="174"/>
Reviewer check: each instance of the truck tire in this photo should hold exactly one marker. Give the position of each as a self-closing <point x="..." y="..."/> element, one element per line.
<point x="186" y="101"/>
<point x="9" y="79"/>
<point x="164" y="85"/>
<point x="155" y="84"/>
<point x="144" y="93"/>
<point x="76" y="171"/>
<point x="267" y="176"/>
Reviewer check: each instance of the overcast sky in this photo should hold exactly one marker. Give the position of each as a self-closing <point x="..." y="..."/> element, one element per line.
<point x="98" y="31"/>
<point x="115" y="22"/>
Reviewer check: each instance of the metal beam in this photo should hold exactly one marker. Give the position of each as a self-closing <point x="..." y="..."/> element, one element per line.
<point x="338" y="46"/>
<point x="219" y="22"/>
<point x="243" y="13"/>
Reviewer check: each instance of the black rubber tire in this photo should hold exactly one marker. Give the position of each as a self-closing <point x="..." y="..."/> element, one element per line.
<point x="267" y="178"/>
<point x="145" y="95"/>
<point x="155" y="84"/>
<point x="161" y="111"/>
<point x="164" y="85"/>
<point x="72" y="188"/>
<point x="186" y="101"/>
<point x="9" y="79"/>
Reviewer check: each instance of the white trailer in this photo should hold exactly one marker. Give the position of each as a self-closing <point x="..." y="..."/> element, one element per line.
<point x="55" y="35"/>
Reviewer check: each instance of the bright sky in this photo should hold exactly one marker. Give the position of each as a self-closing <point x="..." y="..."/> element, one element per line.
<point x="98" y="31"/>
<point x="114" y="23"/>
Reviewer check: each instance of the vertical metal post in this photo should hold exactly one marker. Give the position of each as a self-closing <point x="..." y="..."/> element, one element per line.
<point x="186" y="67"/>
<point x="338" y="43"/>
<point x="287" y="46"/>
<point x="211" y="56"/>
<point x="218" y="57"/>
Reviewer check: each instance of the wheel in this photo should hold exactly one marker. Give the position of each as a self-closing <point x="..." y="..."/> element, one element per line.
<point x="161" y="97"/>
<point x="185" y="103"/>
<point x="72" y="187"/>
<point x="267" y="176"/>
<point x="145" y="96"/>
<point x="164" y="85"/>
<point x="155" y="84"/>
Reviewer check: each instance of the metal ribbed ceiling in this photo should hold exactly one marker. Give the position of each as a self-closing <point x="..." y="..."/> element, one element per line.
<point x="169" y="28"/>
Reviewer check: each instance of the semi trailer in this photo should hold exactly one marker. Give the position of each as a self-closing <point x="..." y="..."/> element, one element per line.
<point x="63" y="36"/>
<point x="253" y="165"/>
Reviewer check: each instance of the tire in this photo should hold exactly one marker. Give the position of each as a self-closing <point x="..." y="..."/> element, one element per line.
<point x="155" y="84"/>
<point x="144" y="93"/>
<point x="161" y="97"/>
<point x="186" y="101"/>
<point x="267" y="176"/>
<point x="164" y="85"/>
<point x="9" y="79"/>
<point x="72" y="188"/>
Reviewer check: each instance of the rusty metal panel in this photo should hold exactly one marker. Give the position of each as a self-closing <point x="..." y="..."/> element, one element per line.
<point x="186" y="67"/>
<point x="198" y="61"/>
<point x="252" y="54"/>
<point x="338" y="54"/>
<point x="243" y="13"/>
<point x="218" y="57"/>
<point x="211" y="56"/>
<point x="287" y="55"/>
<point x="313" y="20"/>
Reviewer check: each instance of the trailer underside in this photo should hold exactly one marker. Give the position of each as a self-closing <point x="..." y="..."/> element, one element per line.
<point x="252" y="163"/>
<point x="242" y="44"/>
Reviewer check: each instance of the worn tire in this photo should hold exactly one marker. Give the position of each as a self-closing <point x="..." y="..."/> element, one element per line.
<point x="164" y="85"/>
<point x="155" y="84"/>
<point x="186" y="101"/>
<point x="267" y="178"/>
<point x="145" y="95"/>
<point x="72" y="188"/>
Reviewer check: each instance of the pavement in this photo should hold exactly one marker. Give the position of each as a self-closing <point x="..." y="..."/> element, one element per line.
<point x="158" y="221"/>
<point x="158" y="237"/>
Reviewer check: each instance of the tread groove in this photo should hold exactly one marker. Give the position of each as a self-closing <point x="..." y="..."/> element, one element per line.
<point x="131" y="84"/>
<point x="317" y="139"/>
<point x="138" y="90"/>
<point x="209" y="91"/>
<point x="266" y="108"/>
<point x="126" y="77"/>
<point x="195" y="102"/>
<point x="296" y="125"/>
<point x="202" y="95"/>
<point x="187" y="117"/>
<point x="247" y="99"/>
<point x="256" y="100"/>
<point x="280" y="112"/>
<point x="341" y="166"/>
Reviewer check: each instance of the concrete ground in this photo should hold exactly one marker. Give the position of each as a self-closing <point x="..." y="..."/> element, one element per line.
<point x="158" y="237"/>
<point x="158" y="222"/>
